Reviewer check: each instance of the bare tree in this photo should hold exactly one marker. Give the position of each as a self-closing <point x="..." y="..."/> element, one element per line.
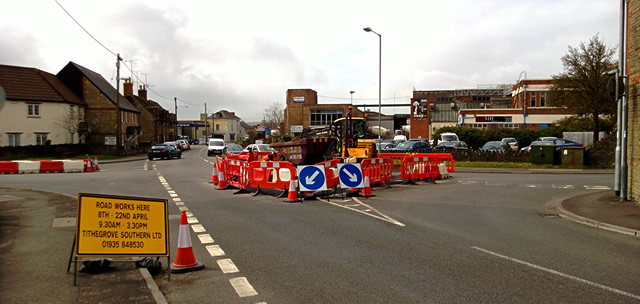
<point x="582" y="86"/>
<point x="274" y="115"/>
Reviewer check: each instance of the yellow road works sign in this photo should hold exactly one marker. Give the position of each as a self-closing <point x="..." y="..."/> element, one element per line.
<point x="121" y="225"/>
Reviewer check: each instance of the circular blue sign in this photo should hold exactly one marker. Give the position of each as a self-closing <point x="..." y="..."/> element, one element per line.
<point x="350" y="175"/>
<point x="311" y="178"/>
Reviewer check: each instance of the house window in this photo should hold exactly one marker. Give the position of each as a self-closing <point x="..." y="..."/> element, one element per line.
<point x="217" y="127"/>
<point x="324" y="117"/>
<point x="232" y="136"/>
<point x="543" y="99"/>
<point x="33" y="110"/>
<point x="41" y="138"/>
<point x="533" y="99"/>
<point x="13" y="139"/>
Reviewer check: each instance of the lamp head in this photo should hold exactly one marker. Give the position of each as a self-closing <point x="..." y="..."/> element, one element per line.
<point x="367" y="29"/>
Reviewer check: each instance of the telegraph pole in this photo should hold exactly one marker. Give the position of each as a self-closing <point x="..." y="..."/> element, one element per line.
<point x="206" y="125"/>
<point x="118" y="113"/>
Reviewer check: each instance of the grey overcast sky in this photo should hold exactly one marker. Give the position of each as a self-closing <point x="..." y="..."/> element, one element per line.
<point x="242" y="56"/>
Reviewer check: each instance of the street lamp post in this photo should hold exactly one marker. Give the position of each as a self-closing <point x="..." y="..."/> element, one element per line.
<point x="368" y="29"/>
<point x="352" y="96"/>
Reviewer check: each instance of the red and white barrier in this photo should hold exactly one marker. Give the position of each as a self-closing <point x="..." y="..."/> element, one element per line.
<point x="73" y="166"/>
<point x="8" y="167"/>
<point x="43" y="166"/>
<point x="28" y="166"/>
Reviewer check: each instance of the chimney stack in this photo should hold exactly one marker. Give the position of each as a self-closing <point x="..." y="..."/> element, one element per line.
<point x="142" y="92"/>
<point x="127" y="87"/>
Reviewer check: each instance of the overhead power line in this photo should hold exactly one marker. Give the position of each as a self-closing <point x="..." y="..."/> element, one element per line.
<point x="85" y="30"/>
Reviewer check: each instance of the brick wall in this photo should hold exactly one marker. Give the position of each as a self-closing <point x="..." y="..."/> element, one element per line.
<point x="100" y="113"/>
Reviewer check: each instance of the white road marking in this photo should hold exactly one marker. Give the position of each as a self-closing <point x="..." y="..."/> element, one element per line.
<point x="183" y="208"/>
<point x="171" y="192"/>
<point x="189" y="213"/>
<point x="563" y="187"/>
<point x="205" y="238"/>
<point x="467" y="182"/>
<point x="198" y="228"/>
<point x="146" y="165"/>
<point x="596" y="187"/>
<point x="227" y="266"/>
<point x="173" y="195"/>
<point x="179" y="204"/>
<point x="215" y="250"/>
<point x="242" y="287"/>
<point x="620" y="292"/>
<point x="192" y="220"/>
<point x="176" y="199"/>
<point x="382" y="217"/>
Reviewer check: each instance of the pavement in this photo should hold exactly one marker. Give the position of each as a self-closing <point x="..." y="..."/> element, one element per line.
<point x="37" y="230"/>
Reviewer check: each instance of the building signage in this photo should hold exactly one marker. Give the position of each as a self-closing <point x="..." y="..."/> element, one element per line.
<point x="121" y="225"/>
<point x="298" y="98"/>
<point x="110" y="140"/>
<point x="419" y="109"/>
<point x="493" y="118"/>
<point x="296" y="129"/>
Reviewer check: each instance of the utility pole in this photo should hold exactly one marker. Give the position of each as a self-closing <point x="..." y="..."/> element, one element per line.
<point x="206" y="124"/>
<point x="118" y="113"/>
<point x="175" y="102"/>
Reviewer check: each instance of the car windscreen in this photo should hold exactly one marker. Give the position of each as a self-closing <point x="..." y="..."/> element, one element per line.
<point x="159" y="147"/>
<point x="448" y="144"/>
<point x="492" y="144"/>
<point x="216" y="143"/>
<point x="405" y="144"/>
<point x="265" y="148"/>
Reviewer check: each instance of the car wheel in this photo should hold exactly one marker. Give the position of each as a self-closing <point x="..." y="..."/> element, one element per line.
<point x="150" y="158"/>
<point x="170" y="156"/>
<point x="180" y="156"/>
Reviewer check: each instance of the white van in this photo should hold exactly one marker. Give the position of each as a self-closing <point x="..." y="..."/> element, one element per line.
<point x="448" y="136"/>
<point x="215" y="146"/>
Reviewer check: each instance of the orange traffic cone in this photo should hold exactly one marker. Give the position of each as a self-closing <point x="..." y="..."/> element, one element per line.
<point x="95" y="162"/>
<point x="293" y="194"/>
<point x="185" y="260"/>
<point x="366" y="191"/>
<point x="214" y="174"/>
<point x="89" y="165"/>
<point x="221" y="183"/>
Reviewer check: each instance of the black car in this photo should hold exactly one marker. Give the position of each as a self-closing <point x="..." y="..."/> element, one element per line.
<point x="164" y="151"/>
<point x="495" y="146"/>
<point x="448" y="146"/>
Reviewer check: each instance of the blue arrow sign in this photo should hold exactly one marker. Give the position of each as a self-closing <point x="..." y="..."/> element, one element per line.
<point x="350" y="176"/>
<point x="311" y="178"/>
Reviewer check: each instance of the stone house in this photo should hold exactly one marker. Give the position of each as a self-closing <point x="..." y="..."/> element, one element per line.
<point x="157" y="124"/>
<point x="101" y="114"/>
<point x="226" y="125"/>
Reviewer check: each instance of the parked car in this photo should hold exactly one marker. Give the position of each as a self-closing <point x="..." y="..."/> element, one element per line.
<point x="449" y="136"/>
<point x="215" y="146"/>
<point x="172" y="143"/>
<point x="448" y="146"/>
<point x="557" y="142"/>
<point x="495" y="146"/>
<point x="413" y="146"/>
<point x="259" y="148"/>
<point x="183" y="144"/>
<point x="163" y="151"/>
<point x="512" y="142"/>
<point x="232" y="149"/>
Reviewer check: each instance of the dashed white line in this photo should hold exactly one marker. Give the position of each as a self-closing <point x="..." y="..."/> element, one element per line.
<point x="192" y="220"/>
<point x="215" y="250"/>
<point x="242" y="287"/>
<point x="198" y="228"/>
<point x="596" y="187"/>
<point x="172" y="192"/>
<point x="173" y="195"/>
<point x="620" y="292"/>
<point x="181" y="208"/>
<point x="205" y="238"/>
<point x="227" y="266"/>
<point x="176" y="199"/>
<point x="179" y="204"/>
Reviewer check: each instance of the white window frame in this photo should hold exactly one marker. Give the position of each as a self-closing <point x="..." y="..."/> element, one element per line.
<point x="41" y="138"/>
<point x="33" y="110"/>
<point x="13" y="139"/>
<point x="543" y="99"/>
<point x="532" y="100"/>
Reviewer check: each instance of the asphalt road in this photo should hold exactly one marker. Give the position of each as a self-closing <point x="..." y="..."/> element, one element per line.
<point x="472" y="238"/>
